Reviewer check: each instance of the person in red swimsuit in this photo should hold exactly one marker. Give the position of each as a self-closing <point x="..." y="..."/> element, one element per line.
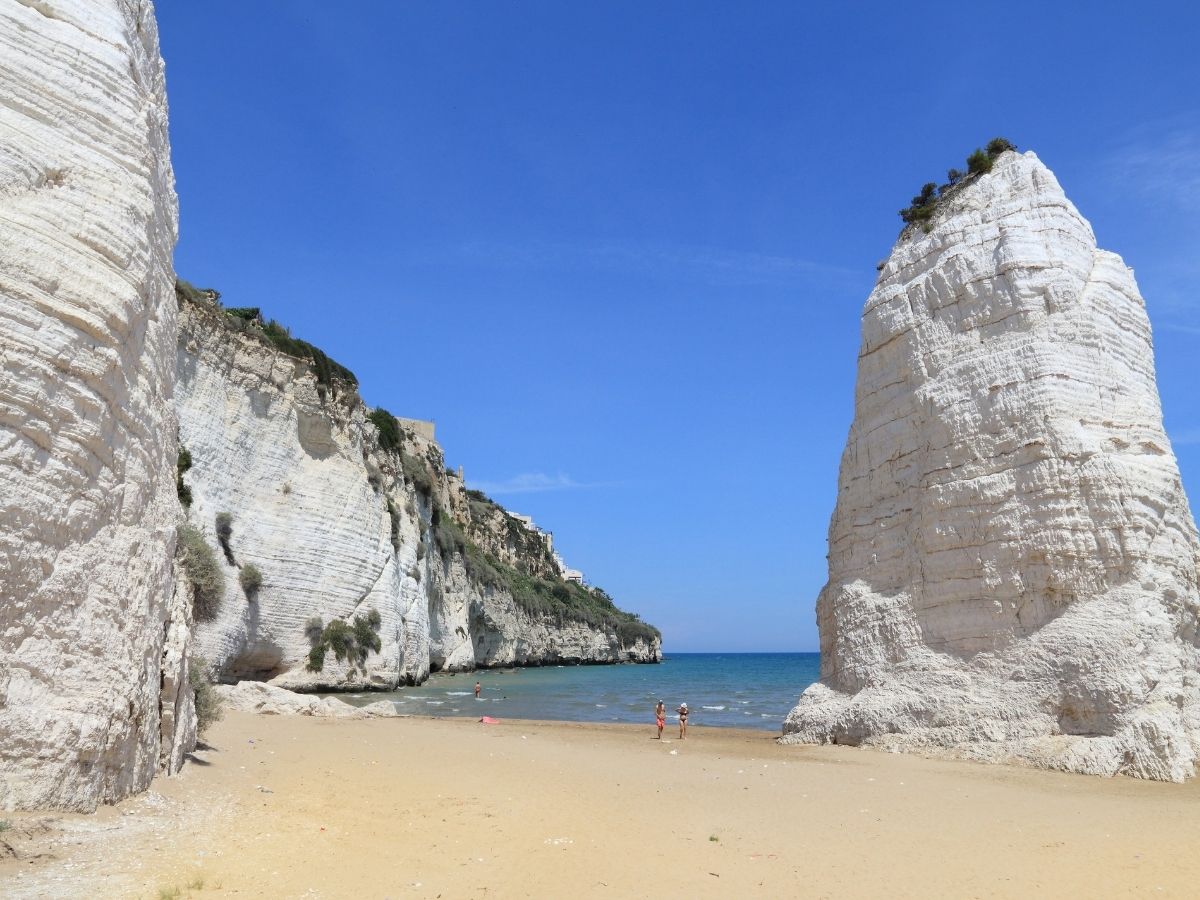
<point x="660" y="717"/>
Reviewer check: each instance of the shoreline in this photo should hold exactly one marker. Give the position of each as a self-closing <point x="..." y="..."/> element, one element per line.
<point x="420" y="806"/>
<point x="371" y="687"/>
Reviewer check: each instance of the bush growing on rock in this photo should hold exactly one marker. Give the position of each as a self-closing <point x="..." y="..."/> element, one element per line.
<point x="979" y="163"/>
<point x="248" y="320"/>
<point x="186" y="291"/>
<point x="224" y="526"/>
<point x="246" y="313"/>
<point x="416" y="473"/>
<point x="203" y="573"/>
<point x="446" y="533"/>
<point x="209" y="707"/>
<point x="387" y="426"/>
<point x="251" y="580"/>
<point x="183" y="462"/>
<point x="327" y="371"/>
<point x="923" y="207"/>
<point x="350" y="642"/>
<point x="998" y="145"/>
<point x="394" y="518"/>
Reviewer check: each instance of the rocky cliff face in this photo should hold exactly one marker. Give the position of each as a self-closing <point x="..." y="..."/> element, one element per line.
<point x="1012" y="560"/>
<point x="87" y="432"/>
<point x="344" y="517"/>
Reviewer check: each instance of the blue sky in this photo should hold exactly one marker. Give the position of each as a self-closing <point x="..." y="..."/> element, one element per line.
<point x="619" y="251"/>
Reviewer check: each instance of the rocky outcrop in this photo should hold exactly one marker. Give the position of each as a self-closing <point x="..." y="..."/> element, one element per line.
<point x="345" y="513"/>
<point x="87" y="431"/>
<point x="269" y="700"/>
<point x="1012" y="559"/>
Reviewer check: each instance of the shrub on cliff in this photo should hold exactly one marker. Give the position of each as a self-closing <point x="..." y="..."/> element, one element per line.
<point x="203" y="573"/>
<point x="251" y="580"/>
<point x="209" y="705"/>
<point x="187" y="292"/>
<point x="394" y="518"/>
<point x="183" y="462"/>
<point x="417" y="473"/>
<point x="553" y="598"/>
<point x="246" y="313"/>
<point x="998" y="145"/>
<point x="979" y="163"/>
<point x="923" y="207"/>
<point x="350" y="642"/>
<point x="224" y="525"/>
<point x="326" y="370"/>
<point x="388" y="427"/>
<point x="446" y="533"/>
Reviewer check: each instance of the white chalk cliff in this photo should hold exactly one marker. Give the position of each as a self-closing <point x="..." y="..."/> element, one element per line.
<point x="98" y="618"/>
<point x="1012" y="559"/>
<point x="88" y="627"/>
<point x="339" y="526"/>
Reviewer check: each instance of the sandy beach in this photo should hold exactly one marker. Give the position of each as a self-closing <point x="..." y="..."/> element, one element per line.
<point x="301" y="807"/>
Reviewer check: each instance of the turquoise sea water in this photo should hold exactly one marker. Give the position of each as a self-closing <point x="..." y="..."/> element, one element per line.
<point x="732" y="690"/>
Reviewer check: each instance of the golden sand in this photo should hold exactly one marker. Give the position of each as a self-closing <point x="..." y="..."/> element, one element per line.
<point x="299" y="807"/>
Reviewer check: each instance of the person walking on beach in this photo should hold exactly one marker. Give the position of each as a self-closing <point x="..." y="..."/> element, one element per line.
<point x="682" y="720"/>
<point x="478" y="688"/>
<point x="660" y="717"/>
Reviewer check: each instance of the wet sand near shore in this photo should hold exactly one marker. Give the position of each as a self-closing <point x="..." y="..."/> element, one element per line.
<point x="411" y="807"/>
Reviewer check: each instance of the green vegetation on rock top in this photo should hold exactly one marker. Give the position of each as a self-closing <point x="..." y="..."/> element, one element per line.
<point x="248" y="320"/>
<point x="923" y="206"/>
<point x="388" y="426"/>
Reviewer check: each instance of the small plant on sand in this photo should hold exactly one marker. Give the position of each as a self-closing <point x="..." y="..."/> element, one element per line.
<point x="203" y="573"/>
<point x="224" y="526"/>
<point x="209" y="705"/>
<point x="350" y="641"/>
<point x="251" y="580"/>
<point x="5" y="825"/>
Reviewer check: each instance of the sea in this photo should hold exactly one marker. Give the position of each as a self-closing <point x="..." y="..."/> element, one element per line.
<point x="727" y="690"/>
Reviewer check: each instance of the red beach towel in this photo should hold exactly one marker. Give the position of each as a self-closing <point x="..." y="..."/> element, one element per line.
<point x="488" y="720"/>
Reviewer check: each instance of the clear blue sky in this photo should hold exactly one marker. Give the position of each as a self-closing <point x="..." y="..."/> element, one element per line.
<point x="619" y="250"/>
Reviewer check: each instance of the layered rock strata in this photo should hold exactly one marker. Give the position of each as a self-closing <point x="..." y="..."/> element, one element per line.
<point x="340" y="526"/>
<point x="1012" y="559"/>
<point x="87" y="431"/>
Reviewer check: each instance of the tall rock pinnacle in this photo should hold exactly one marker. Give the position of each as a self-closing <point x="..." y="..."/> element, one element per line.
<point x="87" y="431"/>
<point x="1012" y="559"/>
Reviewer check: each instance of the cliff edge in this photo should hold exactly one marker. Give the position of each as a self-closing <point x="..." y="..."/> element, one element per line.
<point x="1012" y="559"/>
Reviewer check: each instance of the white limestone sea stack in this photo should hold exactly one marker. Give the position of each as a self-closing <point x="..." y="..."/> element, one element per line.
<point x="87" y="429"/>
<point x="1012" y="559"/>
